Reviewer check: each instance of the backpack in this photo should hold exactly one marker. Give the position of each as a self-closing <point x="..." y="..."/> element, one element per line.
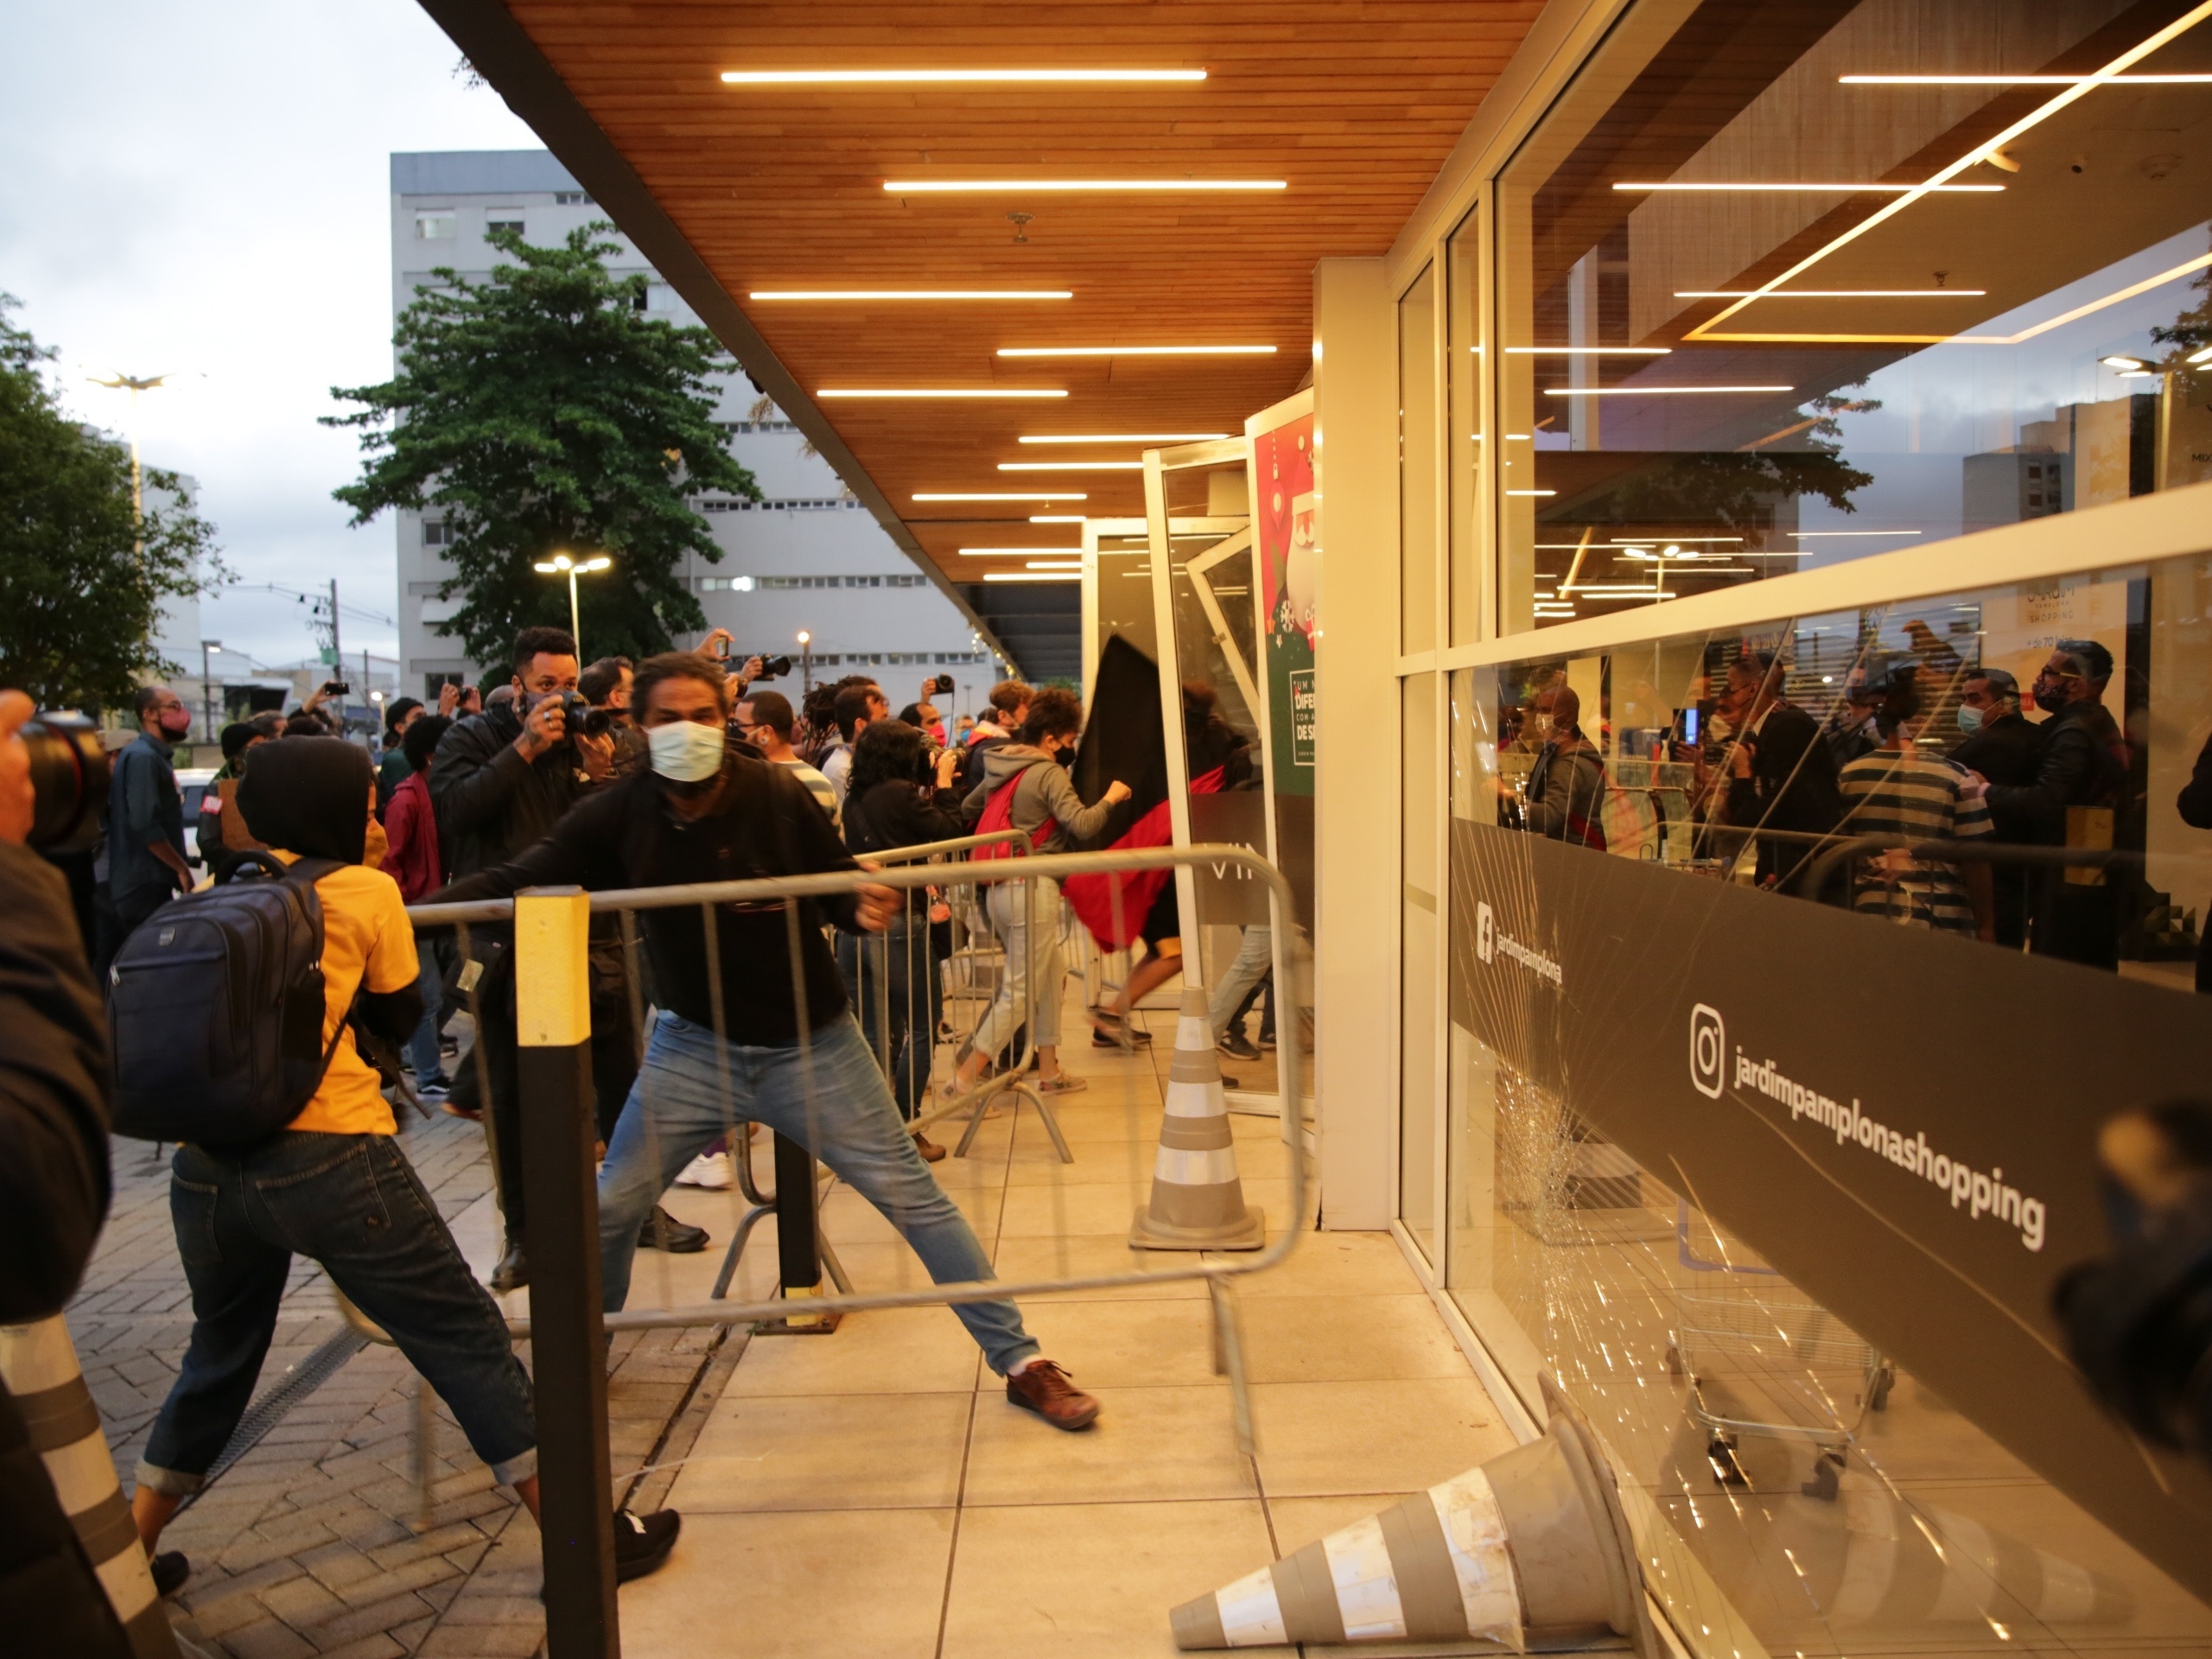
<point x="215" y="1007"/>
<point x="998" y="813"/>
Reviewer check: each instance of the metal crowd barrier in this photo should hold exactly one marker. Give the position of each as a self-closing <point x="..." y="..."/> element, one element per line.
<point x="566" y="1324"/>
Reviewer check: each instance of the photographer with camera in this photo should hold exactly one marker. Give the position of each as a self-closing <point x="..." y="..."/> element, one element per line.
<point x="901" y="795"/>
<point x="605" y="687"/>
<point x="500" y="782"/>
<point x="146" y="865"/>
<point x="860" y="700"/>
<point x="708" y="812"/>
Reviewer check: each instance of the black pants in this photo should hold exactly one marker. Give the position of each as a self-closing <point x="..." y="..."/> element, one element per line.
<point x="613" y="1071"/>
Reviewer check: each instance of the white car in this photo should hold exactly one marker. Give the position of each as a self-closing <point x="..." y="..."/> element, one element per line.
<point x="196" y="785"/>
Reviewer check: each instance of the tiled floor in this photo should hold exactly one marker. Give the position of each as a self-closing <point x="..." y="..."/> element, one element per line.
<point x="871" y="1492"/>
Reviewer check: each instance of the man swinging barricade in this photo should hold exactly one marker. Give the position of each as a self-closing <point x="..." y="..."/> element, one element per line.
<point x="706" y="812"/>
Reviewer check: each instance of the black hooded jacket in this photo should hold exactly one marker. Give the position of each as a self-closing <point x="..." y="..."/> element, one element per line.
<point x="491" y="802"/>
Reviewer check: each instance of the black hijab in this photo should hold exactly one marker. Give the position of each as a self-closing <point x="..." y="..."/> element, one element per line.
<point x="309" y="796"/>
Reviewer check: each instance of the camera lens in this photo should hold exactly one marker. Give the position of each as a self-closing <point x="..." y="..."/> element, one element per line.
<point x="69" y="771"/>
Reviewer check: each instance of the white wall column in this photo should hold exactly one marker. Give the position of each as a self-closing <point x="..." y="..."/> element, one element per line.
<point x="1355" y="744"/>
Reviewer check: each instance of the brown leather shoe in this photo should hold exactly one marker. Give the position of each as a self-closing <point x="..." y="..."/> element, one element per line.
<point x="932" y="1152"/>
<point x="1043" y="1388"/>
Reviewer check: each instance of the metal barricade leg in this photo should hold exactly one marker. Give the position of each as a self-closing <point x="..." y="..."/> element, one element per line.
<point x="568" y="1341"/>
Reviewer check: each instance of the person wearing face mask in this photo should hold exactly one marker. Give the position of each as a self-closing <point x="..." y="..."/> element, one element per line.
<point x="334" y="1186"/>
<point x="707" y="811"/>
<point x="1566" y="791"/>
<point x="145" y="819"/>
<point x="1031" y="774"/>
<point x="2000" y="747"/>
<point x="498" y="782"/>
<point x="1897" y="790"/>
<point x="2073" y="802"/>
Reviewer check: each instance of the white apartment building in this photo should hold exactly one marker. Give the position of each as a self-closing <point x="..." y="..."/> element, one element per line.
<point x="806" y="558"/>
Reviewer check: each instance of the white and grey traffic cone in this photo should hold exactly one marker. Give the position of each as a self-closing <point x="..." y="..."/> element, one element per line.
<point x="1531" y="1544"/>
<point x="1198" y="1201"/>
<point x="39" y="1364"/>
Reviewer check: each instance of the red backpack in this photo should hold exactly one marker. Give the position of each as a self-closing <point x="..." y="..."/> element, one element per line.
<point x="998" y="813"/>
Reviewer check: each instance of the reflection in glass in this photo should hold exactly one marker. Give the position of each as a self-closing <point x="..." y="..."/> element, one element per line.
<point x="1739" y="340"/>
<point x="1464" y="382"/>
<point x="1418" y="1120"/>
<point x="1417" y="526"/>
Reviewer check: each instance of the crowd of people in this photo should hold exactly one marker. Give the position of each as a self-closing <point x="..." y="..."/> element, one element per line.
<point x="684" y="768"/>
<point x="1832" y="808"/>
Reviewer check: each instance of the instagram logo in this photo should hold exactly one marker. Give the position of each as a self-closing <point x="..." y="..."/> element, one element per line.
<point x="1708" y="1050"/>
<point x="1486" y="933"/>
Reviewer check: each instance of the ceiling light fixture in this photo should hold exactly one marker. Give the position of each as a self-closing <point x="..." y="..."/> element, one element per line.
<point x="1032" y="575"/>
<point x="2023" y="80"/>
<point x="2069" y="95"/>
<point x="1532" y="491"/>
<point x="1648" y="392"/>
<point x="1002" y="187"/>
<point x="2118" y="361"/>
<point x="1829" y="293"/>
<point x="925" y="77"/>
<point x="987" y="495"/>
<point x="1755" y="186"/>
<point x="1136" y="351"/>
<point x="936" y="391"/>
<point x="863" y="294"/>
<point x="1125" y="437"/>
<point x="1052" y="564"/>
<point x="1018" y="552"/>
<point x="1588" y="351"/>
<point x="1070" y="466"/>
<point x="1806" y="535"/>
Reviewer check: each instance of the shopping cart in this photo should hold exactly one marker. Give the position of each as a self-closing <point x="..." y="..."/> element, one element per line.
<point x="1764" y="1358"/>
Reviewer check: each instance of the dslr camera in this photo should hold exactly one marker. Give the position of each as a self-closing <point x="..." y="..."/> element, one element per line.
<point x="773" y="668"/>
<point x="69" y="774"/>
<point x="939" y="687"/>
<point x="582" y="719"/>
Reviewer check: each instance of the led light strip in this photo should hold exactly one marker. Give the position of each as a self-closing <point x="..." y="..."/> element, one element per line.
<point x="1070" y="466"/>
<point x="928" y="76"/>
<point x="864" y="293"/>
<point x="1757" y="186"/>
<point x="1651" y="391"/>
<point x="1017" y="552"/>
<point x="1136" y="351"/>
<point x="985" y="495"/>
<point x="1590" y="350"/>
<point x="2023" y="80"/>
<point x="1032" y="576"/>
<point x="1829" y="293"/>
<point x="2133" y="55"/>
<point x="1124" y="437"/>
<point x="936" y="391"/>
<point x="1000" y="186"/>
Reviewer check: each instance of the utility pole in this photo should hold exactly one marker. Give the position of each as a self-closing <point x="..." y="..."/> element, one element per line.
<point x="206" y="687"/>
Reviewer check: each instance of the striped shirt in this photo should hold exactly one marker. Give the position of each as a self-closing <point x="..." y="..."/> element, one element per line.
<point x="825" y="793"/>
<point x="1916" y="799"/>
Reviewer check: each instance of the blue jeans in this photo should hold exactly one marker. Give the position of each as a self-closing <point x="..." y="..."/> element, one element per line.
<point x="422" y="1046"/>
<point x="679" y="1107"/>
<point x="351" y="1202"/>
<point x="1254" y="956"/>
<point x="904" y="963"/>
<point x="1030" y="961"/>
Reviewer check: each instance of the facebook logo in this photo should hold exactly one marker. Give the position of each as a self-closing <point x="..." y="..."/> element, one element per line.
<point x="1485" y="932"/>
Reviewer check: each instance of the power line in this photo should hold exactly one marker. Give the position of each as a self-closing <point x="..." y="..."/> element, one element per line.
<point x="320" y="601"/>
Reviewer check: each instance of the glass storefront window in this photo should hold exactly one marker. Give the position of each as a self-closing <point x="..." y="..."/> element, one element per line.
<point x="1464" y="383"/>
<point x="1777" y="1169"/>
<point x="1417" y="526"/>
<point x="1419" y="934"/>
<point x="1789" y="286"/>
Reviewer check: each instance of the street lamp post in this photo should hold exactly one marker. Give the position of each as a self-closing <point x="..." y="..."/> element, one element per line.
<point x="206" y="689"/>
<point x="561" y="564"/>
<point x="805" y="663"/>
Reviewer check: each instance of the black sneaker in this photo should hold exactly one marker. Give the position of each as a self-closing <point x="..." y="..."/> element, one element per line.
<point x="1237" y="1045"/>
<point x="170" y="1569"/>
<point x="513" y="1271"/>
<point x="683" y="1239"/>
<point x="642" y="1542"/>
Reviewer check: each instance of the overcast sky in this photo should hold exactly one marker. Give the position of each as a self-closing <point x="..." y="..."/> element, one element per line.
<point x="206" y="189"/>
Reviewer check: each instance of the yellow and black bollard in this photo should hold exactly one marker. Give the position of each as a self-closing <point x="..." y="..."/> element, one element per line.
<point x="568" y="1336"/>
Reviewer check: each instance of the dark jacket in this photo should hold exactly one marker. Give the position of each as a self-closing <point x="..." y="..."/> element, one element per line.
<point x="1045" y="799"/>
<point x="2194" y="801"/>
<point x="1565" y="793"/>
<point x="763" y="824"/>
<point x="2081" y="764"/>
<point x="894" y="814"/>
<point x="491" y="802"/>
<point x="53" y="1195"/>
<point x="2008" y="752"/>
<point x="1792" y="788"/>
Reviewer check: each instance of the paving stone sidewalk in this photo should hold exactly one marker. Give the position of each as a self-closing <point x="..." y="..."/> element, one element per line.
<point x="318" y="1541"/>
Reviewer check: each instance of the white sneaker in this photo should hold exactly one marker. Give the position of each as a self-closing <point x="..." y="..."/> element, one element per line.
<point x="710" y="1170"/>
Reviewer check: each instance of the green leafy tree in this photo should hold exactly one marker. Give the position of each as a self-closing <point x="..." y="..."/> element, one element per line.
<point x="83" y="581"/>
<point x="539" y="412"/>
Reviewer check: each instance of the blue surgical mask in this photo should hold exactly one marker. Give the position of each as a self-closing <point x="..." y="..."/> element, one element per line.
<point x="1969" y="718"/>
<point x="684" y="752"/>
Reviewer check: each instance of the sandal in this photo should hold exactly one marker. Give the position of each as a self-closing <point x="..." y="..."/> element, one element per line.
<point x="1061" y="1084"/>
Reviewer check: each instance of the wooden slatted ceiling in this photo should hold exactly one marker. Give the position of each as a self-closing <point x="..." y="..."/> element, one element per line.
<point x="1355" y="104"/>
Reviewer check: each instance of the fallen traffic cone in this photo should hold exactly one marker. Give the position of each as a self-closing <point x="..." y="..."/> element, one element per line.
<point x="38" y="1363"/>
<point x="1198" y="1202"/>
<point x="1531" y="1544"/>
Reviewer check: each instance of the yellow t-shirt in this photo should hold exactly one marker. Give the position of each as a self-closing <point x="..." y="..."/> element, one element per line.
<point x="365" y="931"/>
